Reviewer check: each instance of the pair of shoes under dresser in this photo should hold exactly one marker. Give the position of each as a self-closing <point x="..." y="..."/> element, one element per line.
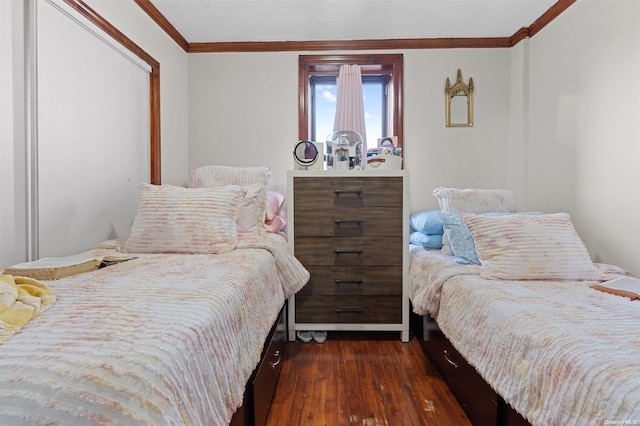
<point x="349" y="230"/>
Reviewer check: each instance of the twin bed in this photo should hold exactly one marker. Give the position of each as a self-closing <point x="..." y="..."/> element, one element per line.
<point x="170" y="337"/>
<point x="522" y="337"/>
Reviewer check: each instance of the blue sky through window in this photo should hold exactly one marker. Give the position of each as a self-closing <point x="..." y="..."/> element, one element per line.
<point x="325" y="108"/>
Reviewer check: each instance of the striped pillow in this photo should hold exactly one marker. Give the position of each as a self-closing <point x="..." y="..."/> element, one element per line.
<point x="250" y="213"/>
<point x="530" y="247"/>
<point x="452" y="200"/>
<point x="172" y="219"/>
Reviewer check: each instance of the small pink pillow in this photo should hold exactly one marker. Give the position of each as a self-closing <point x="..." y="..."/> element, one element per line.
<point x="275" y="200"/>
<point x="275" y="225"/>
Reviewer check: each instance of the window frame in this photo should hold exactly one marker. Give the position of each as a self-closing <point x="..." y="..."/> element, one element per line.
<point x="390" y="65"/>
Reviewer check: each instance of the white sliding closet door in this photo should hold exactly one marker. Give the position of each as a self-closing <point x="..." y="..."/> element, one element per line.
<point x="93" y="135"/>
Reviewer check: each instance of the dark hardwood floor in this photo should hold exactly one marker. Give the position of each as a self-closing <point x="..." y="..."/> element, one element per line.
<point x="362" y="379"/>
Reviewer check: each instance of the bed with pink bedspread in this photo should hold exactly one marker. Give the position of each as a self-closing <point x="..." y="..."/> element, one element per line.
<point x="171" y="336"/>
<point x="161" y="339"/>
<point x="557" y="352"/>
<point x="512" y="293"/>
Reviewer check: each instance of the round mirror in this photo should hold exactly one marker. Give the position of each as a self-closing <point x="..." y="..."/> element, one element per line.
<point x="305" y="153"/>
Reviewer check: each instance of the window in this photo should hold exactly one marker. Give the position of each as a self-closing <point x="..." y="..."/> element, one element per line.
<point x="323" y="106"/>
<point x="382" y="90"/>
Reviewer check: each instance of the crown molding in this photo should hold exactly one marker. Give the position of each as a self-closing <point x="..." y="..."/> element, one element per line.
<point x="551" y="14"/>
<point x="163" y="23"/>
<point x="373" y="44"/>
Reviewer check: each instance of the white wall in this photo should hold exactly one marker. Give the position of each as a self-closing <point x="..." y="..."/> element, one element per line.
<point x="462" y="157"/>
<point x="583" y="148"/>
<point x="13" y="204"/>
<point x="130" y="19"/>
<point x="134" y="23"/>
<point x="93" y="133"/>
<point x="243" y="110"/>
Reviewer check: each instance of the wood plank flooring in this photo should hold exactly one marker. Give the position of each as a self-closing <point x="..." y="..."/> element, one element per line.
<point x="362" y="379"/>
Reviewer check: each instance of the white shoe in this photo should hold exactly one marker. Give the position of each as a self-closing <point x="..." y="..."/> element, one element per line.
<point x="319" y="336"/>
<point x="305" y="336"/>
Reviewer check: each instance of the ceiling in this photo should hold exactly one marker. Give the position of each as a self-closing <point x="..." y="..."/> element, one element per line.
<point x="209" y="21"/>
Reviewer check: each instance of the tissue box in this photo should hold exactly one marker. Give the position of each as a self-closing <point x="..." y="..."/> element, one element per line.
<point x="384" y="162"/>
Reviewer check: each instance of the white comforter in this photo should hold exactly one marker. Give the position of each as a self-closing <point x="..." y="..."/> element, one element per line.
<point x="560" y="353"/>
<point x="162" y="339"/>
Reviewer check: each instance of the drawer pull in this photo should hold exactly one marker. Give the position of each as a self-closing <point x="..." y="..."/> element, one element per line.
<point x="348" y="281"/>
<point x="337" y="192"/>
<point x="339" y="251"/>
<point x="341" y="221"/>
<point x="349" y="311"/>
<point x="278" y="358"/>
<point x="447" y="356"/>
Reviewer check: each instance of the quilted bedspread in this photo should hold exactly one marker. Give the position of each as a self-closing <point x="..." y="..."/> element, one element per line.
<point x="161" y="339"/>
<point x="560" y="353"/>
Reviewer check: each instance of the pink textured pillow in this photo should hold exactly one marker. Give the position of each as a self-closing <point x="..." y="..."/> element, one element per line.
<point x="275" y="225"/>
<point x="453" y="200"/>
<point x="216" y="176"/>
<point x="530" y="247"/>
<point x="275" y="200"/>
<point x="172" y="219"/>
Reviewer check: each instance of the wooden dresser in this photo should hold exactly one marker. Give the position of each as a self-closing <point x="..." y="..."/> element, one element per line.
<point x="350" y="230"/>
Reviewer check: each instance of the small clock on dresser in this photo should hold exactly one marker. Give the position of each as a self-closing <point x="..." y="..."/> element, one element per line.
<point x="349" y="229"/>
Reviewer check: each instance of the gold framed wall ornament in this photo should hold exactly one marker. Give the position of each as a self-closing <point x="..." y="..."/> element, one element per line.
<point x="459" y="102"/>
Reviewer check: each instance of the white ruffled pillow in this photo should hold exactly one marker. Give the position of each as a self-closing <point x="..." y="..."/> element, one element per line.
<point x="252" y="213"/>
<point x="530" y="247"/>
<point x="453" y="200"/>
<point x="172" y="219"/>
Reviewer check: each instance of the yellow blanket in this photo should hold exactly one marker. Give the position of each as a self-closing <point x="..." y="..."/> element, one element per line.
<point x="21" y="299"/>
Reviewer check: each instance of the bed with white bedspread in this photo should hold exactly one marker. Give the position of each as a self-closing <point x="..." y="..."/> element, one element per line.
<point x="170" y="337"/>
<point x="512" y="295"/>
<point x="557" y="352"/>
<point x="161" y="339"/>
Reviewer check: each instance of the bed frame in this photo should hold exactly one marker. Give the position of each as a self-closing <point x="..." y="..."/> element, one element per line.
<point x="261" y="386"/>
<point x="479" y="401"/>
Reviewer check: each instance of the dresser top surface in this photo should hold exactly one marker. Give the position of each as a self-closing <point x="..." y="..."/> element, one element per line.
<point x="347" y="173"/>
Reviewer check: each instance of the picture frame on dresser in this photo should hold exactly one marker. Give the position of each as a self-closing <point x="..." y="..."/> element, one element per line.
<point x="348" y="228"/>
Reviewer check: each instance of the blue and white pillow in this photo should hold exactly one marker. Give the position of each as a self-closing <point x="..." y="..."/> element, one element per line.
<point x="425" y="240"/>
<point x="428" y="222"/>
<point x="460" y="238"/>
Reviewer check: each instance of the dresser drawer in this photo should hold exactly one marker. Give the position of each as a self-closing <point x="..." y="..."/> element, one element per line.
<point x="354" y="280"/>
<point x="347" y="191"/>
<point x="368" y="251"/>
<point x="348" y="309"/>
<point x="348" y="221"/>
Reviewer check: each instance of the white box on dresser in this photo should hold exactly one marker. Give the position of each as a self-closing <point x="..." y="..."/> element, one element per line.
<point x="350" y="230"/>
